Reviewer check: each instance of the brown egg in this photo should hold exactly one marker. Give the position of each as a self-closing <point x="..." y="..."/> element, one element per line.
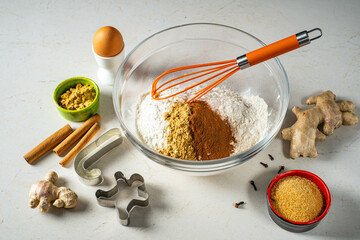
<point x="108" y="42"/>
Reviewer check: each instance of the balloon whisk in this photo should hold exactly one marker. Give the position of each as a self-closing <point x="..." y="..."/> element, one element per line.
<point x="218" y="72"/>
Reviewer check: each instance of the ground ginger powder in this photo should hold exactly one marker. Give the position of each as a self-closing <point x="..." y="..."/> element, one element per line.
<point x="179" y="140"/>
<point x="77" y="98"/>
<point x="297" y="199"/>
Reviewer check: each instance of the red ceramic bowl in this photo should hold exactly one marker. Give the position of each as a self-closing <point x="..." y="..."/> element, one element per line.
<point x="298" y="226"/>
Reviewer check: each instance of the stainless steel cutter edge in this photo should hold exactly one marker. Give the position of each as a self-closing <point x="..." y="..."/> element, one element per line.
<point x="92" y="153"/>
<point x="103" y="197"/>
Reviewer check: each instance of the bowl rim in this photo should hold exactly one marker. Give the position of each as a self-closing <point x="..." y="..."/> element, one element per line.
<point x="96" y="87"/>
<point x="228" y="161"/>
<point x="310" y="176"/>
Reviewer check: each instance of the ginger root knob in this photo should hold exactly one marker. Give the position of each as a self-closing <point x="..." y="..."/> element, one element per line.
<point x="327" y="113"/>
<point x="44" y="192"/>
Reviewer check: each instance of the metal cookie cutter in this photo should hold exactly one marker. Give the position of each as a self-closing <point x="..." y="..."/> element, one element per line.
<point x="104" y="198"/>
<point x="93" y="152"/>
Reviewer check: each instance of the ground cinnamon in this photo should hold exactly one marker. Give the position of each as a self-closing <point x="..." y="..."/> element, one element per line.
<point x="212" y="136"/>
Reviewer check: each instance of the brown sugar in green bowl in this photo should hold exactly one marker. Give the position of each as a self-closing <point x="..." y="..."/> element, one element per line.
<point x="81" y="114"/>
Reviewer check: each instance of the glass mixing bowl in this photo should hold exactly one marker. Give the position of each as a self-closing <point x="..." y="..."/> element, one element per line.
<point x="191" y="44"/>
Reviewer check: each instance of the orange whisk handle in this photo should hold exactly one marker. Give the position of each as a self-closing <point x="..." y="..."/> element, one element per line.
<point x="270" y="51"/>
<point x="276" y="49"/>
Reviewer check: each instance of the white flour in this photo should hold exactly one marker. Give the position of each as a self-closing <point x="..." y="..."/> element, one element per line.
<point x="247" y="116"/>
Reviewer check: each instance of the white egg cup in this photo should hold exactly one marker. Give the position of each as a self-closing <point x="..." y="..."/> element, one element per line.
<point x="108" y="66"/>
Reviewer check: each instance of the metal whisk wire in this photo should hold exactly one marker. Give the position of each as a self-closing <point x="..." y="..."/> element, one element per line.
<point x="224" y="69"/>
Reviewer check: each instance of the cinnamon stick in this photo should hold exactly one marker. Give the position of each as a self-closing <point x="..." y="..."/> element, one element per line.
<point x="76" y="134"/>
<point x="83" y="141"/>
<point x="48" y="143"/>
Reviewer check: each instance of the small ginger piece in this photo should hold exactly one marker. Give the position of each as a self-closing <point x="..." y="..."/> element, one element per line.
<point x="326" y="113"/>
<point x="44" y="192"/>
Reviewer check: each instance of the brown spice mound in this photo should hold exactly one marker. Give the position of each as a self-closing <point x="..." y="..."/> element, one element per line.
<point x="211" y="136"/>
<point x="297" y="199"/>
<point x="77" y="98"/>
<point x="179" y="140"/>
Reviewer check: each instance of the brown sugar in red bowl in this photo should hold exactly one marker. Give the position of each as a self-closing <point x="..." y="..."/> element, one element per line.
<point x="299" y="226"/>
<point x="297" y="199"/>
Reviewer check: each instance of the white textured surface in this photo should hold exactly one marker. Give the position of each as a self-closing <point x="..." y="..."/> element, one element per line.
<point x="45" y="42"/>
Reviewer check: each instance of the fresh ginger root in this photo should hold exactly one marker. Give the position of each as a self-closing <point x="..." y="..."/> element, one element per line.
<point x="303" y="134"/>
<point x="44" y="192"/>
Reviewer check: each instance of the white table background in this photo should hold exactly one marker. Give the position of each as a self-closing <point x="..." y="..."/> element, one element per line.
<point x="45" y="42"/>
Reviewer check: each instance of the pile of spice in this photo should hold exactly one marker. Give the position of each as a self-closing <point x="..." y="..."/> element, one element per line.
<point x="212" y="136"/>
<point x="219" y="125"/>
<point x="195" y="131"/>
<point x="178" y="137"/>
<point x="77" y="98"/>
<point x="297" y="199"/>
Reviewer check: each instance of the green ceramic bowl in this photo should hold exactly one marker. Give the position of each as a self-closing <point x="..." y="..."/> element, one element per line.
<point x="76" y="115"/>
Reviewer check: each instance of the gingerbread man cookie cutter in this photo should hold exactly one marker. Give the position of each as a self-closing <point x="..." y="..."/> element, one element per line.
<point x="105" y="198"/>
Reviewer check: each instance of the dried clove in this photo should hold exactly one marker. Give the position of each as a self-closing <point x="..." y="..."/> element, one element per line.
<point x="281" y="169"/>
<point x="238" y="204"/>
<point x="253" y="184"/>
<point x="264" y="164"/>
<point x="271" y="157"/>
